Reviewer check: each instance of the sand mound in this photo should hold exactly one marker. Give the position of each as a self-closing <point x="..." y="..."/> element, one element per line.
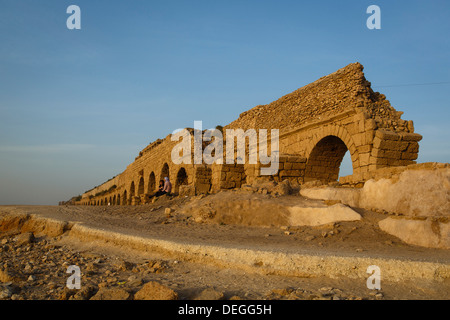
<point x="238" y="208"/>
<point x="254" y="209"/>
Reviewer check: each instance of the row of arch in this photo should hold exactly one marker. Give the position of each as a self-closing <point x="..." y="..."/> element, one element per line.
<point x="141" y="188"/>
<point x="324" y="157"/>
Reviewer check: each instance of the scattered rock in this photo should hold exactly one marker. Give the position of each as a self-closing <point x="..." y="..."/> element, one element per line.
<point x="123" y="265"/>
<point x="111" y="294"/>
<point x="24" y="238"/>
<point x="7" y="275"/>
<point x="67" y="293"/>
<point x="85" y="293"/>
<point x="155" y="291"/>
<point x="210" y="294"/>
<point x="283" y="292"/>
<point x="134" y="282"/>
<point x="5" y="292"/>
<point x="283" y="188"/>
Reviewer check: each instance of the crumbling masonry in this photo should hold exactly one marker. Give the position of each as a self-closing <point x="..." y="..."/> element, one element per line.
<point x="318" y="124"/>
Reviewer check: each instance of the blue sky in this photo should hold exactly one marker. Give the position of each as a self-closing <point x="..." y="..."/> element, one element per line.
<point x="77" y="106"/>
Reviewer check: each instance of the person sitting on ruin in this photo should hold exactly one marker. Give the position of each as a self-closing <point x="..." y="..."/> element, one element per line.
<point x="161" y="185"/>
<point x="167" y="186"/>
<point x="164" y="188"/>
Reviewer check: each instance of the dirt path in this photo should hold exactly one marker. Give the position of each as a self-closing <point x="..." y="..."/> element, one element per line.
<point x="103" y="265"/>
<point x="360" y="238"/>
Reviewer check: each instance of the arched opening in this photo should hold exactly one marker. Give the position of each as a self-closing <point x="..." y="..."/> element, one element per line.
<point x="114" y="200"/>
<point x="182" y="179"/>
<point x="151" y="183"/>
<point x="118" y="200"/>
<point x="132" y="190"/>
<point x="141" y="186"/>
<point x="106" y="201"/>
<point x="164" y="171"/>
<point x="346" y="167"/>
<point x="125" y="199"/>
<point x="132" y="193"/>
<point x="325" y="160"/>
<point x="101" y="202"/>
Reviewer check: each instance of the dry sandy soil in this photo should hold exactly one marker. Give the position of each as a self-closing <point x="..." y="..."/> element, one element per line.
<point x="41" y="264"/>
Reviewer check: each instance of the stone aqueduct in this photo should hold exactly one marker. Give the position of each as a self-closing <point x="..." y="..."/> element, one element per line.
<point x="317" y="124"/>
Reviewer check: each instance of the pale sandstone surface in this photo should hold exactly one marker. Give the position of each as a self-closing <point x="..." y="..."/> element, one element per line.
<point x="304" y="216"/>
<point x="426" y="233"/>
<point x="411" y="192"/>
<point x="419" y="197"/>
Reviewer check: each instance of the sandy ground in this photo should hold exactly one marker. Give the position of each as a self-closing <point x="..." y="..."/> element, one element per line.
<point x="362" y="238"/>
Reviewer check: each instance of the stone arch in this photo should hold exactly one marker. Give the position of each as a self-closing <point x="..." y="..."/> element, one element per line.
<point x="165" y="171"/>
<point x="141" y="188"/>
<point x="125" y="198"/>
<point x="131" y="193"/>
<point x="341" y="138"/>
<point x="132" y="190"/>
<point x="118" y="200"/>
<point x="325" y="153"/>
<point x="182" y="179"/>
<point x="114" y="200"/>
<point x="325" y="159"/>
<point x="151" y="183"/>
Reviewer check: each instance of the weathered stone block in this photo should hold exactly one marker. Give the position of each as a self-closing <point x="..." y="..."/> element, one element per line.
<point x="370" y="124"/>
<point x="364" y="159"/>
<point x="411" y="136"/>
<point x="409" y="156"/>
<point x="202" y="188"/>
<point x="288" y="165"/>
<point x="387" y="135"/>
<point x="364" y="148"/>
<point x="233" y="176"/>
<point x="413" y="147"/>
<point x="390" y="154"/>
<point x="296" y="166"/>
